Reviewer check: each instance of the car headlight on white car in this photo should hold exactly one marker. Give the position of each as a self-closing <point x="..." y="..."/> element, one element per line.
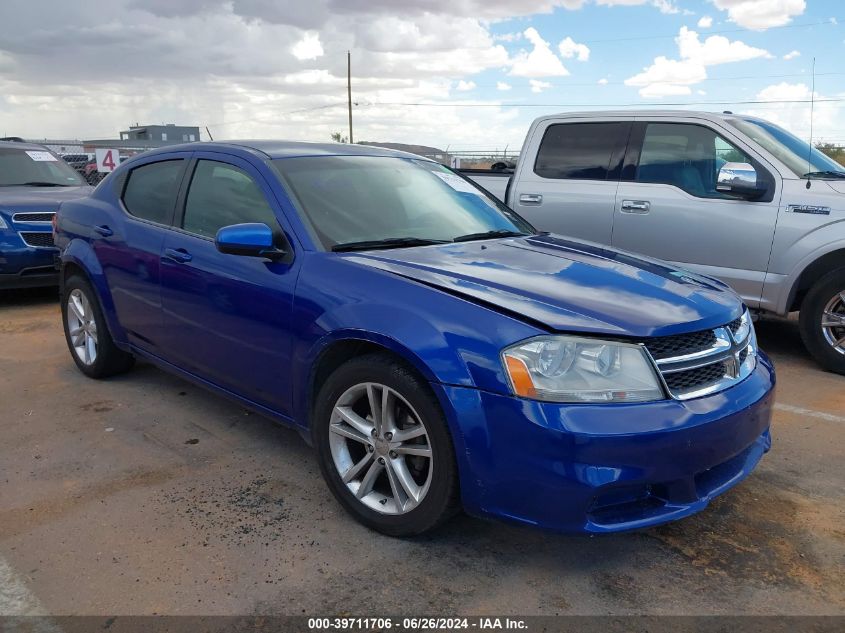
<point x="575" y="369"/>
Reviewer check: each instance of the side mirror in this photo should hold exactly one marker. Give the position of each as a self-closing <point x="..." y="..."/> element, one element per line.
<point x="739" y="179"/>
<point x="250" y="240"/>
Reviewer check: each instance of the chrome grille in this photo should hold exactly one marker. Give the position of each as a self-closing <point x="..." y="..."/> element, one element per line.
<point x="706" y="361"/>
<point x="39" y="216"/>
<point x="680" y="344"/>
<point x="38" y="239"/>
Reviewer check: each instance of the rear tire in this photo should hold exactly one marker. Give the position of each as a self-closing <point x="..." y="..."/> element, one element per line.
<point x="396" y="475"/>
<point x="822" y="311"/>
<point x="87" y="335"/>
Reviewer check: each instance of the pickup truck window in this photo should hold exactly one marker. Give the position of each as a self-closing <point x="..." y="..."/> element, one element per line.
<point x="582" y="151"/>
<point x="221" y="195"/>
<point x="686" y="156"/>
<point x="791" y="150"/>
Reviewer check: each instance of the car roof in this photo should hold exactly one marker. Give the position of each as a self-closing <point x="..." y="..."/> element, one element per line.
<point x="23" y="146"/>
<point x="285" y="149"/>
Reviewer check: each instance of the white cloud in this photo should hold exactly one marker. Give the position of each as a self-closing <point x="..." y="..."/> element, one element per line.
<point x="760" y="15"/>
<point x="792" y="55"/>
<point x="673" y="77"/>
<point x="795" y="117"/>
<point x="501" y="85"/>
<point x="665" y="6"/>
<point x="540" y="62"/>
<point x="465" y="86"/>
<point x="539" y="86"/>
<point x="602" y="81"/>
<point x="705" y="22"/>
<point x="716" y="49"/>
<point x="569" y="48"/>
<point x="308" y="47"/>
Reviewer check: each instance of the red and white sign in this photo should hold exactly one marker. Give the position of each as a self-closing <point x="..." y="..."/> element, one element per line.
<point x="107" y="160"/>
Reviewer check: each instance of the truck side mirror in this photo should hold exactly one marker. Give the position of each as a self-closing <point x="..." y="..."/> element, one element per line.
<point x="740" y="180"/>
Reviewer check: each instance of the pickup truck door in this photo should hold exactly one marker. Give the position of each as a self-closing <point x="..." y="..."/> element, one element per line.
<point x="667" y="205"/>
<point x="571" y="186"/>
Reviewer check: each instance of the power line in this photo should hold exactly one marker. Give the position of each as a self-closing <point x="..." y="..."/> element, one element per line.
<point x="828" y="22"/>
<point x="278" y="114"/>
<point x="596" y="105"/>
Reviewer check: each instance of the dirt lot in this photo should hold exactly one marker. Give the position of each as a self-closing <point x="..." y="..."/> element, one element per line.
<point x="145" y="494"/>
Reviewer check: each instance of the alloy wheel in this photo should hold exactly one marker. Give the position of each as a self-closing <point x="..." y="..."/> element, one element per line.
<point x="833" y="322"/>
<point x="380" y="448"/>
<point x="82" y="327"/>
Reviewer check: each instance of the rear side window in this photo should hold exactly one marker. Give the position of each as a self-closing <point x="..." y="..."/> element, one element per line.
<point x="582" y="151"/>
<point x="221" y="195"/>
<point x="150" y="192"/>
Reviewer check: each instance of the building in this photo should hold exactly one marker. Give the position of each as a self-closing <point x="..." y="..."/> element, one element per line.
<point x="167" y="134"/>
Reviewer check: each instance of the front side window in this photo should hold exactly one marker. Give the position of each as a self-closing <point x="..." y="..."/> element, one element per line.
<point x="349" y="199"/>
<point x="151" y="189"/>
<point x="582" y="151"/>
<point x="221" y="195"/>
<point x="686" y="156"/>
<point x="35" y="168"/>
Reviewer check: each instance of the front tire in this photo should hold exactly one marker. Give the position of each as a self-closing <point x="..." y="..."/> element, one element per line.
<point x="822" y="321"/>
<point x="384" y="447"/>
<point x="87" y="335"/>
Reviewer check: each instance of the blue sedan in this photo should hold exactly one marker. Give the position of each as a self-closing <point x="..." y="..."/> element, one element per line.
<point x="436" y="350"/>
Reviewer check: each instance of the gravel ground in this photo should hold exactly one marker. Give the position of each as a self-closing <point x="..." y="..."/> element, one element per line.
<point x="146" y="495"/>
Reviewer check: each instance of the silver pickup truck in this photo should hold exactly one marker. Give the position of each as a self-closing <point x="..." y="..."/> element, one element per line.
<point x="729" y="196"/>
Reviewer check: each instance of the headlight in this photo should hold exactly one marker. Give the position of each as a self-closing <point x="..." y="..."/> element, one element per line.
<point x="574" y="369"/>
<point x="3" y="224"/>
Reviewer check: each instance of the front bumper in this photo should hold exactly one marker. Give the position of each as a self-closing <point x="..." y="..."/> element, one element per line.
<point x="606" y="468"/>
<point x="23" y="266"/>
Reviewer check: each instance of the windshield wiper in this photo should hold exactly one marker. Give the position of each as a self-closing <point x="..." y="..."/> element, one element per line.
<point x="824" y="174"/>
<point x="388" y="242"/>
<point x="38" y="183"/>
<point x="486" y="235"/>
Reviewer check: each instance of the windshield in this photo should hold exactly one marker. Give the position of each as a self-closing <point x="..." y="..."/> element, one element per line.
<point x="361" y="199"/>
<point x="36" y="168"/>
<point x="790" y="149"/>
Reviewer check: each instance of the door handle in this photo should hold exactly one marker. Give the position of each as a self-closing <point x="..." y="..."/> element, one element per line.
<point x="178" y="255"/>
<point x="636" y="206"/>
<point x="530" y="198"/>
<point x="104" y="230"/>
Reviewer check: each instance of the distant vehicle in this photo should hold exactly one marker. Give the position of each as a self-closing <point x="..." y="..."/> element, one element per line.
<point x="33" y="182"/>
<point x="733" y="197"/>
<point x="435" y="349"/>
<point x="77" y="161"/>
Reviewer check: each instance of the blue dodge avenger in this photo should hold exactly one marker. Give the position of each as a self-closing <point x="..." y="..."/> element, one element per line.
<point x="436" y="350"/>
<point x="33" y="182"/>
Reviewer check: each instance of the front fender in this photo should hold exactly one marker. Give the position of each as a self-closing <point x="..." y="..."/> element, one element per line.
<point x="814" y="247"/>
<point x="78" y="252"/>
<point x="447" y="339"/>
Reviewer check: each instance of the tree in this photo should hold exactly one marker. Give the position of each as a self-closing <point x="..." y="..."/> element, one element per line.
<point x="836" y="152"/>
<point x="337" y="137"/>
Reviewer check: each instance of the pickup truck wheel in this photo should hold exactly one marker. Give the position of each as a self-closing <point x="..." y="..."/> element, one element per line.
<point x="384" y="447"/>
<point x="822" y="321"/>
<point x="86" y="333"/>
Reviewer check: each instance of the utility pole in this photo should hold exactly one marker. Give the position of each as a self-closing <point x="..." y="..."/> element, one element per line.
<point x="349" y="90"/>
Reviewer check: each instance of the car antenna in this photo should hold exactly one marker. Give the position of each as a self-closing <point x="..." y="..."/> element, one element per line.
<point x="812" y="103"/>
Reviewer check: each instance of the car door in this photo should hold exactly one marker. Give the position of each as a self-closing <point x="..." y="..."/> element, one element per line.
<point x="571" y="186"/>
<point x="128" y="245"/>
<point x="227" y="317"/>
<point x="667" y="205"/>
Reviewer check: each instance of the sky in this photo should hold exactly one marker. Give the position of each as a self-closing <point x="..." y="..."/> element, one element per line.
<point x="457" y="74"/>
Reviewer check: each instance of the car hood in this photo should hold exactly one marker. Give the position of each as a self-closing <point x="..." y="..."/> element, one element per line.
<point x="837" y="185"/>
<point x="564" y="285"/>
<point x="15" y="199"/>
